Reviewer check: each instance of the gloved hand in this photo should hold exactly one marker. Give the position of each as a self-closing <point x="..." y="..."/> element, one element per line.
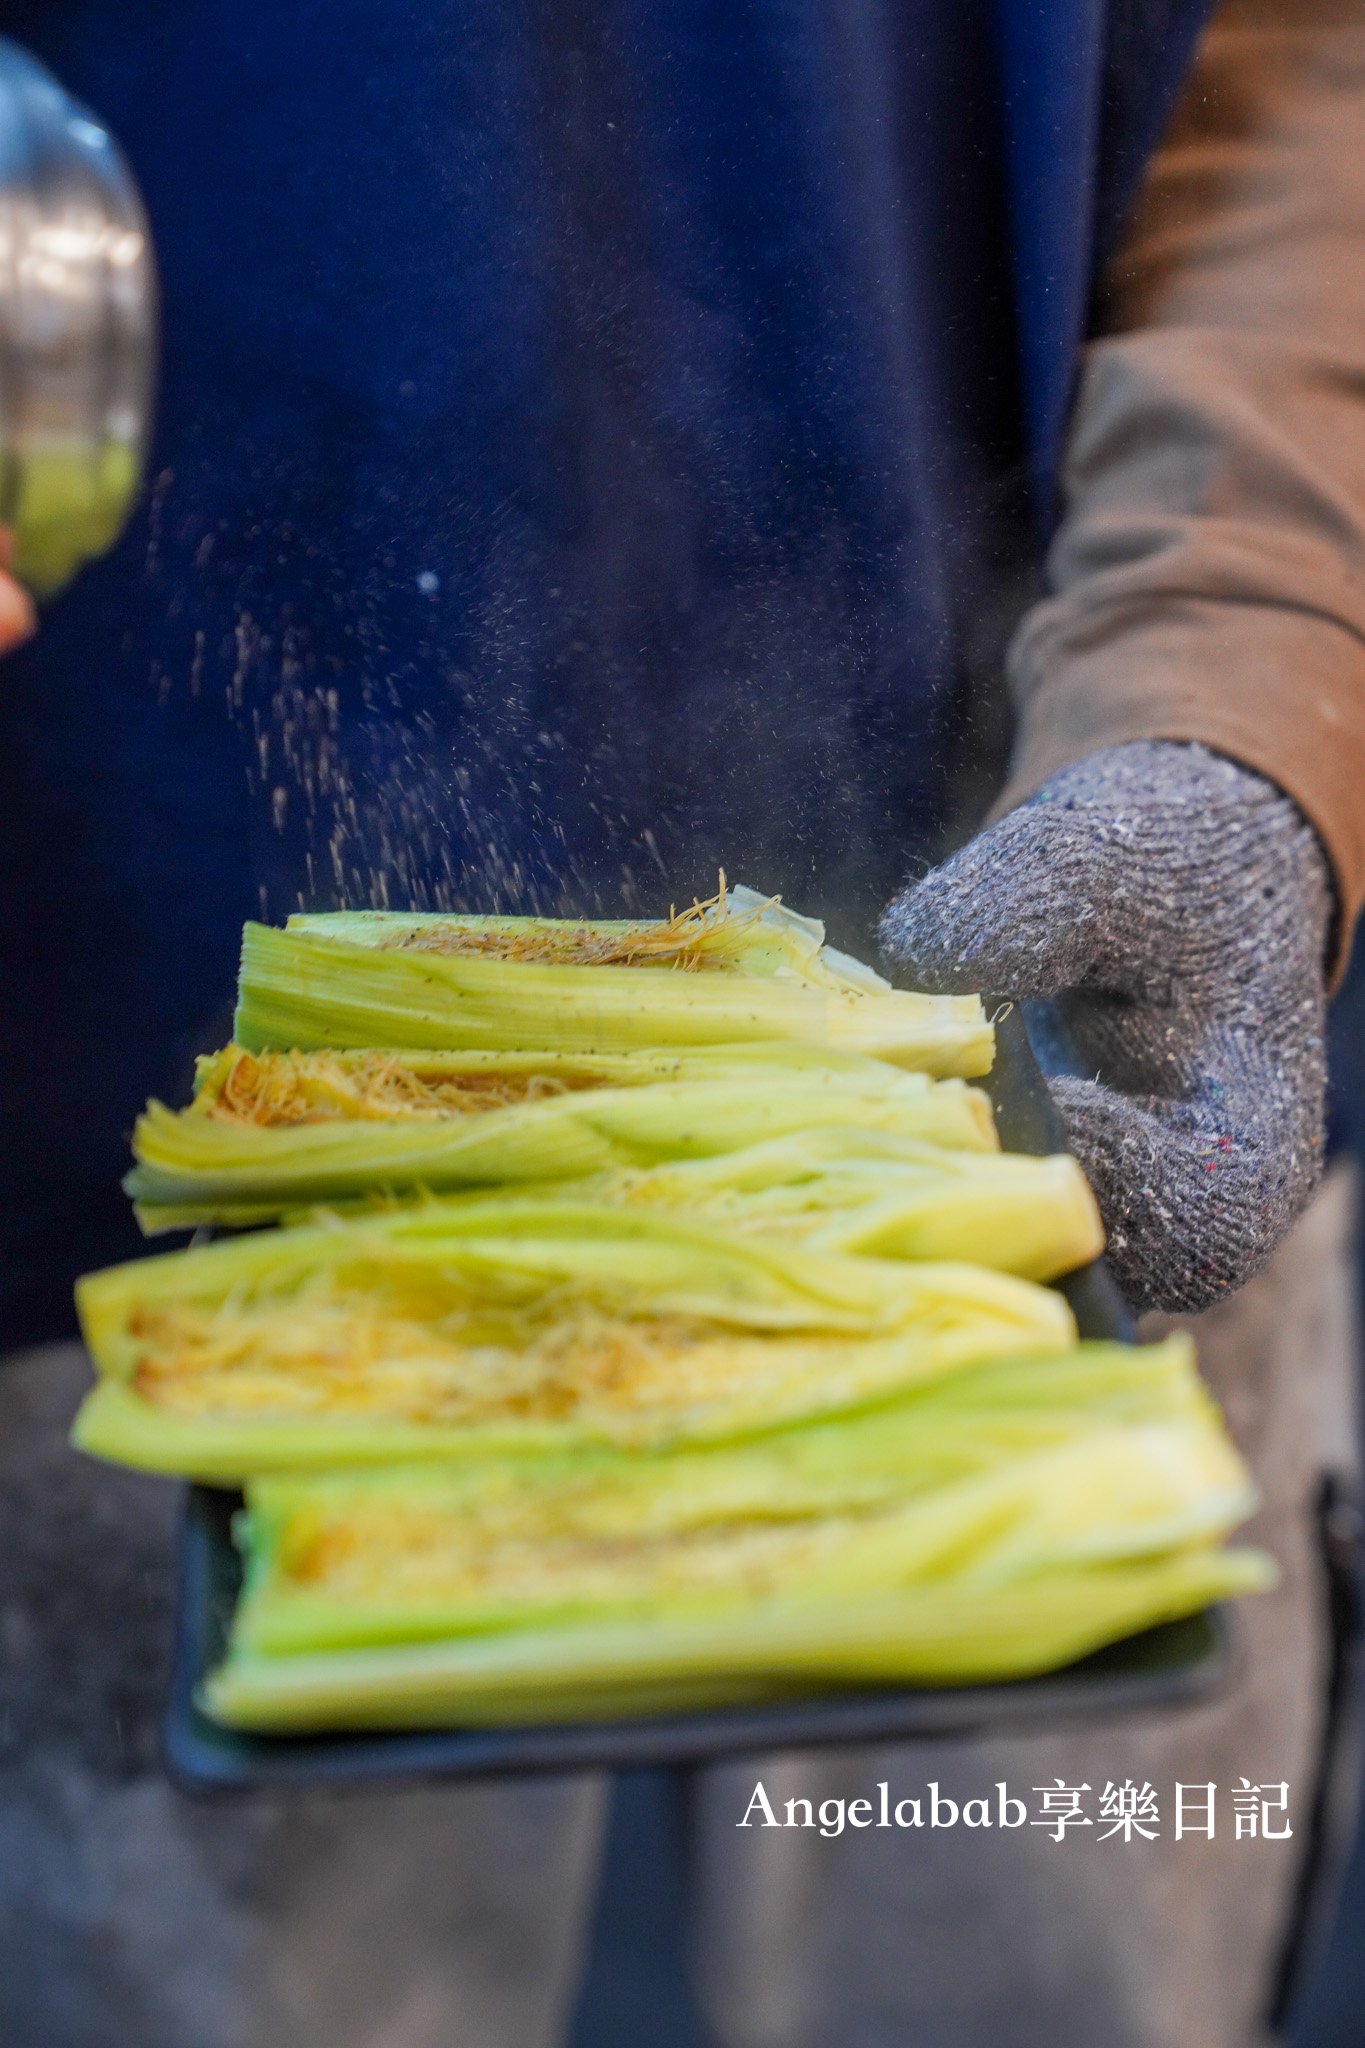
<point x="1170" y="909"/>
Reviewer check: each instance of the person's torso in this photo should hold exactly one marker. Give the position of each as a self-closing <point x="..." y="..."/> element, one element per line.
<point x="591" y="451"/>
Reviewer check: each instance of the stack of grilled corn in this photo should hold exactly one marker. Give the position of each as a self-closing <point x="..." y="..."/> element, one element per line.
<point x="652" y="1320"/>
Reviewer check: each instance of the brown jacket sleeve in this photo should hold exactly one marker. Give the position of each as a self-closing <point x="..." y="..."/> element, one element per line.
<point x="1209" y="574"/>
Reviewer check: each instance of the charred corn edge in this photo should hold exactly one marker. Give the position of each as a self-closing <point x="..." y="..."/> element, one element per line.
<point x="587" y="1672"/>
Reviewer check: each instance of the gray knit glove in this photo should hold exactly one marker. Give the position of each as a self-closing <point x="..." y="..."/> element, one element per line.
<point x="1168" y="910"/>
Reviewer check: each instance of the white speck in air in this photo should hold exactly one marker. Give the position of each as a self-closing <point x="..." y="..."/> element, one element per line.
<point x="428" y="582"/>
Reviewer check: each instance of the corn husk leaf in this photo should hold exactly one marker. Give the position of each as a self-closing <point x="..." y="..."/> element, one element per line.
<point x="737" y="931"/>
<point x="204" y="1166"/>
<point x="921" y="1635"/>
<point x="1105" y="1455"/>
<point x="993" y="1525"/>
<point x="863" y="1190"/>
<point x="458" y="1327"/>
<point x="851" y="1190"/>
<point x="303" y="987"/>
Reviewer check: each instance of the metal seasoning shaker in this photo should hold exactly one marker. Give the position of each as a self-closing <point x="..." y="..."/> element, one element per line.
<point x="77" y="327"/>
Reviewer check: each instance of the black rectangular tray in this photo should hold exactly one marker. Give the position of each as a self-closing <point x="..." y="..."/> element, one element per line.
<point x="1164" y="1666"/>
